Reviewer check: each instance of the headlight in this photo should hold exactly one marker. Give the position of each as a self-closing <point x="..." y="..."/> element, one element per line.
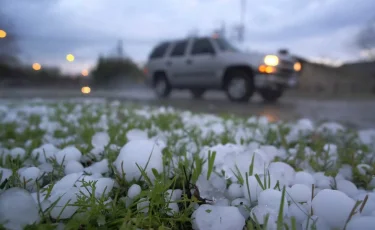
<point x="271" y="60"/>
<point x="297" y="66"/>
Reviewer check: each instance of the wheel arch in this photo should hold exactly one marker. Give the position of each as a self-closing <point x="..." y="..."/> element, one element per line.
<point x="226" y="73"/>
<point x="158" y="74"/>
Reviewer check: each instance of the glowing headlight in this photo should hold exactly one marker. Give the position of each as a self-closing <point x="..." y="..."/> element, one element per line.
<point x="271" y="60"/>
<point x="297" y="66"/>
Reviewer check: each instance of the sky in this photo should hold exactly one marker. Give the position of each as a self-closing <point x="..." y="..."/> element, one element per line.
<point x="48" y="30"/>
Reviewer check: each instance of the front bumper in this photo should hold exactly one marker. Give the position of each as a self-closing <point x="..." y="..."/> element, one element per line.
<point x="273" y="80"/>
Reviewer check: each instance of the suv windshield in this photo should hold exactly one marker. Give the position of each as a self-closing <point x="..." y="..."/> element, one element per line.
<point x="224" y="45"/>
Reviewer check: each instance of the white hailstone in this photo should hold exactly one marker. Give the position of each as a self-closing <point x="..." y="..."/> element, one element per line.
<point x="103" y="186"/>
<point x="299" y="211"/>
<point x="346" y="171"/>
<point x="208" y="217"/>
<point x="283" y="170"/>
<point x="243" y="206"/>
<point x="98" y="167"/>
<point x="272" y="199"/>
<point x="347" y="187"/>
<point x="315" y="222"/>
<point x="250" y="189"/>
<point x="18" y="152"/>
<point x="66" y="182"/>
<point x="29" y="176"/>
<point x="127" y="201"/>
<point x="6" y="173"/>
<point x="363" y="169"/>
<point x="367" y="136"/>
<point x="222" y="202"/>
<point x="259" y="213"/>
<point x="143" y="205"/>
<point x="73" y="167"/>
<point x="100" y="140"/>
<point x="333" y="206"/>
<point x="235" y="191"/>
<point x="134" y="191"/>
<point x="331" y="128"/>
<point x="18" y="209"/>
<point x="144" y="153"/>
<point x="370" y="203"/>
<point x="46" y="167"/>
<point x="362" y="222"/>
<point x="136" y="134"/>
<point x="173" y="195"/>
<point x="304" y="178"/>
<point x="44" y="152"/>
<point x="300" y="193"/>
<point x="65" y="199"/>
<point x="67" y="154"/>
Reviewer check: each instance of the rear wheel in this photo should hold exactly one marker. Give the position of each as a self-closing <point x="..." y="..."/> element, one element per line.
<point x="239" y="85"/>
<point x="161" y="86"/>
<point x="271" y="94"/>
<point x="197" y="93"/>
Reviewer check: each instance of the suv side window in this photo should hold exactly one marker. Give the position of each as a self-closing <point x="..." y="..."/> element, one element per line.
<point x="159" y="51"/>
<point x="202" y="46"/>
<point x="179" y="48"/>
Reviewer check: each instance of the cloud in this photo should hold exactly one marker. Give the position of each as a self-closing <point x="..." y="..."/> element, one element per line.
<point x="49" y="29"/>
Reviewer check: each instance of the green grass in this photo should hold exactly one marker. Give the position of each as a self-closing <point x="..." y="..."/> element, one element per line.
<point x="82" y="120"/>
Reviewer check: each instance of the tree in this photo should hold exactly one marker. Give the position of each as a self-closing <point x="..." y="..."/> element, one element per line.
<point x="366" y="40"/>
<point x="110" y="70"/>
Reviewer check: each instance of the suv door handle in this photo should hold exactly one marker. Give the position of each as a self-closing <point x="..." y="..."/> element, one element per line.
<point x="189" y="61"/>
<point x="168" y="63"/>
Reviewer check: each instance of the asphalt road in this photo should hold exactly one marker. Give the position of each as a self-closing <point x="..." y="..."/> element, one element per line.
<point x="357" y="113"/>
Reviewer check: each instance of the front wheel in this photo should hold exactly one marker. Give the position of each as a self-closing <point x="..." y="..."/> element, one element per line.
<point x="161" y="86"/>
<point x="270" y="95"/>
<point x="239" y="87"/>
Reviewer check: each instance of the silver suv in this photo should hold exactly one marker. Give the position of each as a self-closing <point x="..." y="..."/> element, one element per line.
<point x="212" y="63"/>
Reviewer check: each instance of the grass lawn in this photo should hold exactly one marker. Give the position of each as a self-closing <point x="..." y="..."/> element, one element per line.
<point x="92" y="164"/>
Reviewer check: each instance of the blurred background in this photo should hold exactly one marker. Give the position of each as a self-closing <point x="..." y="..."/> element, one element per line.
<point x="82" y="45"/>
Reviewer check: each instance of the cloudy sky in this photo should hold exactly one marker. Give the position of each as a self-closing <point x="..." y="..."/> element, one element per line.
<point x="50" y="29"/>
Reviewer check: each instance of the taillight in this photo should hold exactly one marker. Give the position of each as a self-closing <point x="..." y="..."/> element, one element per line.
<point x="145" y="71"/>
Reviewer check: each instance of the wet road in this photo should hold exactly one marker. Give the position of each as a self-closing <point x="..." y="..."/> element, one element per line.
<point x="359" y="113"/>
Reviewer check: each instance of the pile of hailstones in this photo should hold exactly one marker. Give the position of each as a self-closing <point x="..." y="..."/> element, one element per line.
<point x="309" y="197"/>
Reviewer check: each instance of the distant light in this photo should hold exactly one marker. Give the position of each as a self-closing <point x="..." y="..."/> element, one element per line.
<point x="70" y="57"/>
<point x="85" y="90"/>
<point x="36" y="66"/>
<point x="297" y="66"/>
<point x="85" y="73"/>
<point x="3" y="34"/>
<point x="215" y="35"/>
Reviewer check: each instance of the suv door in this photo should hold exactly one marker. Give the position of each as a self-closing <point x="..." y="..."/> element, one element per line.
<point x="176" y="63"/>
<point x="202" y="64"/>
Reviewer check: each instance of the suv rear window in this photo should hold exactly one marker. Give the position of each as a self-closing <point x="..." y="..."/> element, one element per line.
<point x="159" y="51"/>
<point x="179" y="48"/>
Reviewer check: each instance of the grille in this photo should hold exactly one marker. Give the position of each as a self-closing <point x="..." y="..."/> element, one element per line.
<point x="285" y="68"/>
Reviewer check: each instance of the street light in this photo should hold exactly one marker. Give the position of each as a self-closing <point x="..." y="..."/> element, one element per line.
<point x="3" y="34"/>
<point x="85" y="90"/>
<point x="70" y="57"/>
<point x="36" y="66"/>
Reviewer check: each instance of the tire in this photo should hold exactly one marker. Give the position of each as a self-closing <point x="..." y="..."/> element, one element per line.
<point x="161" y="86"/>
<point x="271" y="95"/>
<point x="239" y="85"/>
<point x="197" y="93"/>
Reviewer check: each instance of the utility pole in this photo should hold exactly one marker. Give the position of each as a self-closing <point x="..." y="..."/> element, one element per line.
<point x="120" y="49"/>
<point x="241" y="28"/>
